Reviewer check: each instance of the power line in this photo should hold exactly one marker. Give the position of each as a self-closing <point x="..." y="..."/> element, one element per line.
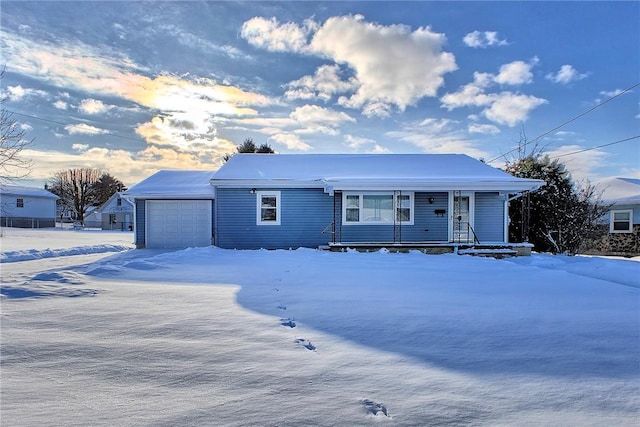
<point x="599" y="146"/>
<point x="570" y="120"/>
<point x="66" y="124"/>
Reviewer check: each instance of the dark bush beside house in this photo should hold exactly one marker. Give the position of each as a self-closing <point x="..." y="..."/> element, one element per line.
<point x="559" y="216"/>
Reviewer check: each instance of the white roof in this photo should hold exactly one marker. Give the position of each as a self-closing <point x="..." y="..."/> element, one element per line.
<point x="620" y="191"/>
<point x="16" y="190"/>
<point x="110" y="206"/>
<point x="174" y="184"/>
<point x="358" y="171"/>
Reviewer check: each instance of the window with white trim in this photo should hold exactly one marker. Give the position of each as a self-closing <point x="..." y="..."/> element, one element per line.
<point x="19" y="203"/>
<point x="377" y="208"/>
<point x="621" y="221"/>
<point x="268" y="207"/>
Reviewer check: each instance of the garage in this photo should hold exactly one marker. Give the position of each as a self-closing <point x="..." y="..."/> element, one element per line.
<point x="178" y="223"/>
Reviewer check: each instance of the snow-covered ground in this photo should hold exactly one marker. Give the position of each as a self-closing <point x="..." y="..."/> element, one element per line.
<point x="233" y="338"/>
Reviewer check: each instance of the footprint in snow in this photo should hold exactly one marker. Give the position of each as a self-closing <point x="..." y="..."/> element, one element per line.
<point x="282" y="307"/>
<point x="306" y="344"/>
<point x="374" y="408"/>
<point x="288" y="322"/>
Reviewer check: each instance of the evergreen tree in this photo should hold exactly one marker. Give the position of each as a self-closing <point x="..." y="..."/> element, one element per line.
<point x="248" y="146"/>
<point x="106" y="186"/>
<point x="560" y="214"/>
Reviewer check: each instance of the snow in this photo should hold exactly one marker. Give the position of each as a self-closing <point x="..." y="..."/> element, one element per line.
<point x="16" y="190"/>
<point x="28" y="244"/>
<point x="181" y="184"/>
<point x="206" y="336"/>
<point x="620" y="190"/>
<point x="344" y="168"/>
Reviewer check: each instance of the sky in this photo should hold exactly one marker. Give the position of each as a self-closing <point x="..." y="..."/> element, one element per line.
<point x="305" y="337"/>
<point x="135" y="87"/>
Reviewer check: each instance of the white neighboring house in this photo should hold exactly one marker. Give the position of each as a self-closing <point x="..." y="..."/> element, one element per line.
<point x="623" y="218"/>
<point x="92" y="218"/>
<point x="27" y="207"/>
<point x="115" y="214"/>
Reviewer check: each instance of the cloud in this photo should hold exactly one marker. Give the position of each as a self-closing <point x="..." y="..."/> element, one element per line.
<point x="434" y="135"/>
<point x="516" y="73"/>
<point x="566" y="75"/>
<point x="304" y="120"/>
<point x="484" y="129"/>
<point x="80" y="147"/>
<point x="192" y="41"/>
<point x="379" y="149"/>
<point x="60" y="105"/>
<point x="506" y="108"/>
<point x="584" y="165"/>
<point x="273" y="36"/>
<point x="611" y="93"/>
<point x="365" y="145"/>
<point x="511" y="109"/>
<point x="357" y="141"/>
<point x="325" y="82"/>
<point x="109" y="73"/>
<point x="291" y="141"/>
<point x="93" y="106"/>
<point x="316" y="119"/>
<point x="188" y="133"/>
<point x="129" y="167"/>
<point x="483" y="39"/>
<point x="85" y="129"/>
<point x="394" y="66"/>
<point x="18" y="93"/>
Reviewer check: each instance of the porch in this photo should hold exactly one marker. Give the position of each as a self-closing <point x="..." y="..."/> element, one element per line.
<point x="496" y="250"/>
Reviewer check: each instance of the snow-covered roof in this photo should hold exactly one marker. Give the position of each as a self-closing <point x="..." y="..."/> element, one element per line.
<point x="356" y="171"/>
<point x="175" y="184"/>
<point x="110" y="206"/>
<point x="620" y="191"/>
<point x="17" y="190"/>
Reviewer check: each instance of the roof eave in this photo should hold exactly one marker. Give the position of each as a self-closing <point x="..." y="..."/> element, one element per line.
<point x="347" y="185"/>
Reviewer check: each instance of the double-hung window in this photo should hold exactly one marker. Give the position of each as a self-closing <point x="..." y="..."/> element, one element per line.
<point x="377" y="208"/>
<point x="19" y="203"/>
<point x="621" y="221"/>
<point x="268" y="207"/>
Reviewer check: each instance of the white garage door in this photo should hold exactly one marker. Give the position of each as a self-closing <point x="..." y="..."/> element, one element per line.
<point x="178" y="223"/>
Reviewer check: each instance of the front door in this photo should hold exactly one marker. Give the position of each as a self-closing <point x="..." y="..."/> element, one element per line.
<point x="462" y="217"/>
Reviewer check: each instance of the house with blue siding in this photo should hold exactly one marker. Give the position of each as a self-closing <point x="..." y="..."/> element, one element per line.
<point x="281" y="201"/>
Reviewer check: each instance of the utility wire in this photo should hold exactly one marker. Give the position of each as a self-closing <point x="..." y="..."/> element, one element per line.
<point x="599" y="146"/>
<point x="569" y="121"/>
<point x="66" y="124"/>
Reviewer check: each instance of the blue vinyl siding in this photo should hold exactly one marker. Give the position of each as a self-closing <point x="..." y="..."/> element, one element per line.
<point x="140" y="224"/>
<point x="489" y="217"/>
<point x="427" y="225"/>
<point x="304" y="215"/>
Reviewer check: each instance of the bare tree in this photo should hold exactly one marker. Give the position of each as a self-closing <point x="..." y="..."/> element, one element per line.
<point x="76" y="188"/>
<point x="12" y="142"/>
